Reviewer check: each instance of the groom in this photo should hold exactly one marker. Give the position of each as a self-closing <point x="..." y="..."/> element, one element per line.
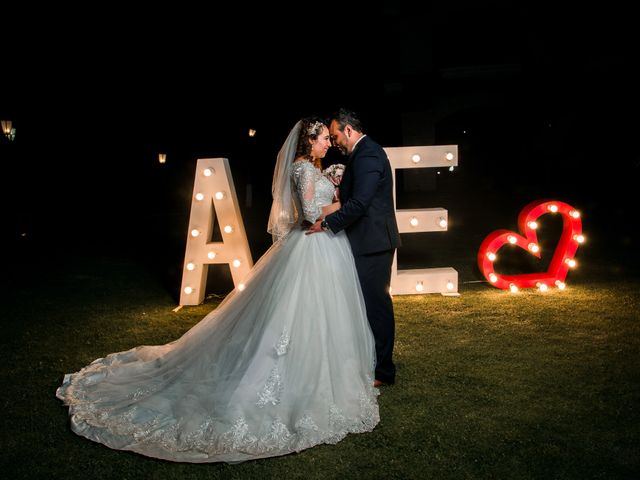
<point x="368" y="216"/>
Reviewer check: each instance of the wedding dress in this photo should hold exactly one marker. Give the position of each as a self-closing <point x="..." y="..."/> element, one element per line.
<point x="279" y="367"/>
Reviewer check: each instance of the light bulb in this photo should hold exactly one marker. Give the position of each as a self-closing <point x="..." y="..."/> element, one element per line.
<point x="442" y="222"/>
<point x="560" y="284"/>
<point x="579" y="238"/>
<point x="450" y="285"/>
<point x="191" y="266"/>
<point x="237" y="263"/>
<point x="228" y="229"/>
<point x="241" y="286"/>
<point x="419" y="286"/>
<point x="414" y="222"/>
<point x="211" y="255"/>
<point x="195" y="232"/>
<point x="188" y="290"/>
<point x="208" y="172"/>
<point x="532" y="225"/>
<point x="415" y="158"/>
<point x="574" y="213"/>
<point x="199" y="196"/>
<point x="553" y="208"/>
<point x="513" y="287"/>
<point x="219" y="195"/>
<point x="449" y="156"/>
<point x="543" y="287"/>
<point x="571" y="262"/>
<point x="512" y="239"/>
<point x="493" y="278"/>
<point x="533" y="247"/>
<point x="491" y="256"/>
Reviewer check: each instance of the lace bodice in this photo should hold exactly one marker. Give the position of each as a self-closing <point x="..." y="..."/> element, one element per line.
<point x="313" y="190"/>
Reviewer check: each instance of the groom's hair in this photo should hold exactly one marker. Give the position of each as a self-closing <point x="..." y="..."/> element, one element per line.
<point x="346" y="117"/>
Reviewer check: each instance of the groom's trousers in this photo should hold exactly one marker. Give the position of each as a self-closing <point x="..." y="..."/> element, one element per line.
<point x="374" y="272"/>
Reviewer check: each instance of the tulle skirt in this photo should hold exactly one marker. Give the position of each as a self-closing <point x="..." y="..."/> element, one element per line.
<point x="283" y="365"/>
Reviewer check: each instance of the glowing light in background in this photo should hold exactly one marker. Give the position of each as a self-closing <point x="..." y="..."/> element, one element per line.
<point x="443" y="280"/>
<point x="213" y="179"/>
<point x="563" y="256"/>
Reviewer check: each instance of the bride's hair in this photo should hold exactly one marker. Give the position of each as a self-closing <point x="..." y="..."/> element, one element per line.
<point x="310" y="128"/>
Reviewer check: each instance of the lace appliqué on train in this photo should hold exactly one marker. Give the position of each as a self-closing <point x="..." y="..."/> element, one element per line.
<point x="270" y="394"/>
<point x="283" y="343"/>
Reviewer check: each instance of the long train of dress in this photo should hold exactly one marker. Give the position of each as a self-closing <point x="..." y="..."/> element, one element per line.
<point x="283" y="365"/>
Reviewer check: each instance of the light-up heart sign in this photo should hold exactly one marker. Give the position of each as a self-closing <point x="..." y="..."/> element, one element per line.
<point x="563" y="257"/>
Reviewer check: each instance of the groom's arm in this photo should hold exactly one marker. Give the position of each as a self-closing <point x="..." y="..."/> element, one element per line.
<point x="367" y="170"/>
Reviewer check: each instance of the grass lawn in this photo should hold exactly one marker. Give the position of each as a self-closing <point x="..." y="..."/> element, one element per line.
<point x="490" y="384"/>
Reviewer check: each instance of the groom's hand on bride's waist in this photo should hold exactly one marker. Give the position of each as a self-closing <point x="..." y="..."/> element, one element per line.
<point x="314" y="228"/>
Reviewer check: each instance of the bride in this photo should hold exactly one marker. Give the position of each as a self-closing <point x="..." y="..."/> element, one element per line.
<point x="279" y="367"/>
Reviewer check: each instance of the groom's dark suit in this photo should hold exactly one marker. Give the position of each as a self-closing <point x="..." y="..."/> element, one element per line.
<point x="368" y="217"/>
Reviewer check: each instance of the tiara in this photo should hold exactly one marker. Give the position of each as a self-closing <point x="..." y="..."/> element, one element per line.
<point x="315" y="128"/>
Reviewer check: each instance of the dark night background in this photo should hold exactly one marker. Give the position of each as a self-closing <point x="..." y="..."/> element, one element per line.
<point x="541" y="101"/>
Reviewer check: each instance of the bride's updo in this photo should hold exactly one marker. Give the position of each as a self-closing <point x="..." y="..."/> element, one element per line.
<point x="310" y="128"/>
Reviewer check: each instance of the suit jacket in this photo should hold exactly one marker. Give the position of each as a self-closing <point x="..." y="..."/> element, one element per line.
<point x="367" y="213"/>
